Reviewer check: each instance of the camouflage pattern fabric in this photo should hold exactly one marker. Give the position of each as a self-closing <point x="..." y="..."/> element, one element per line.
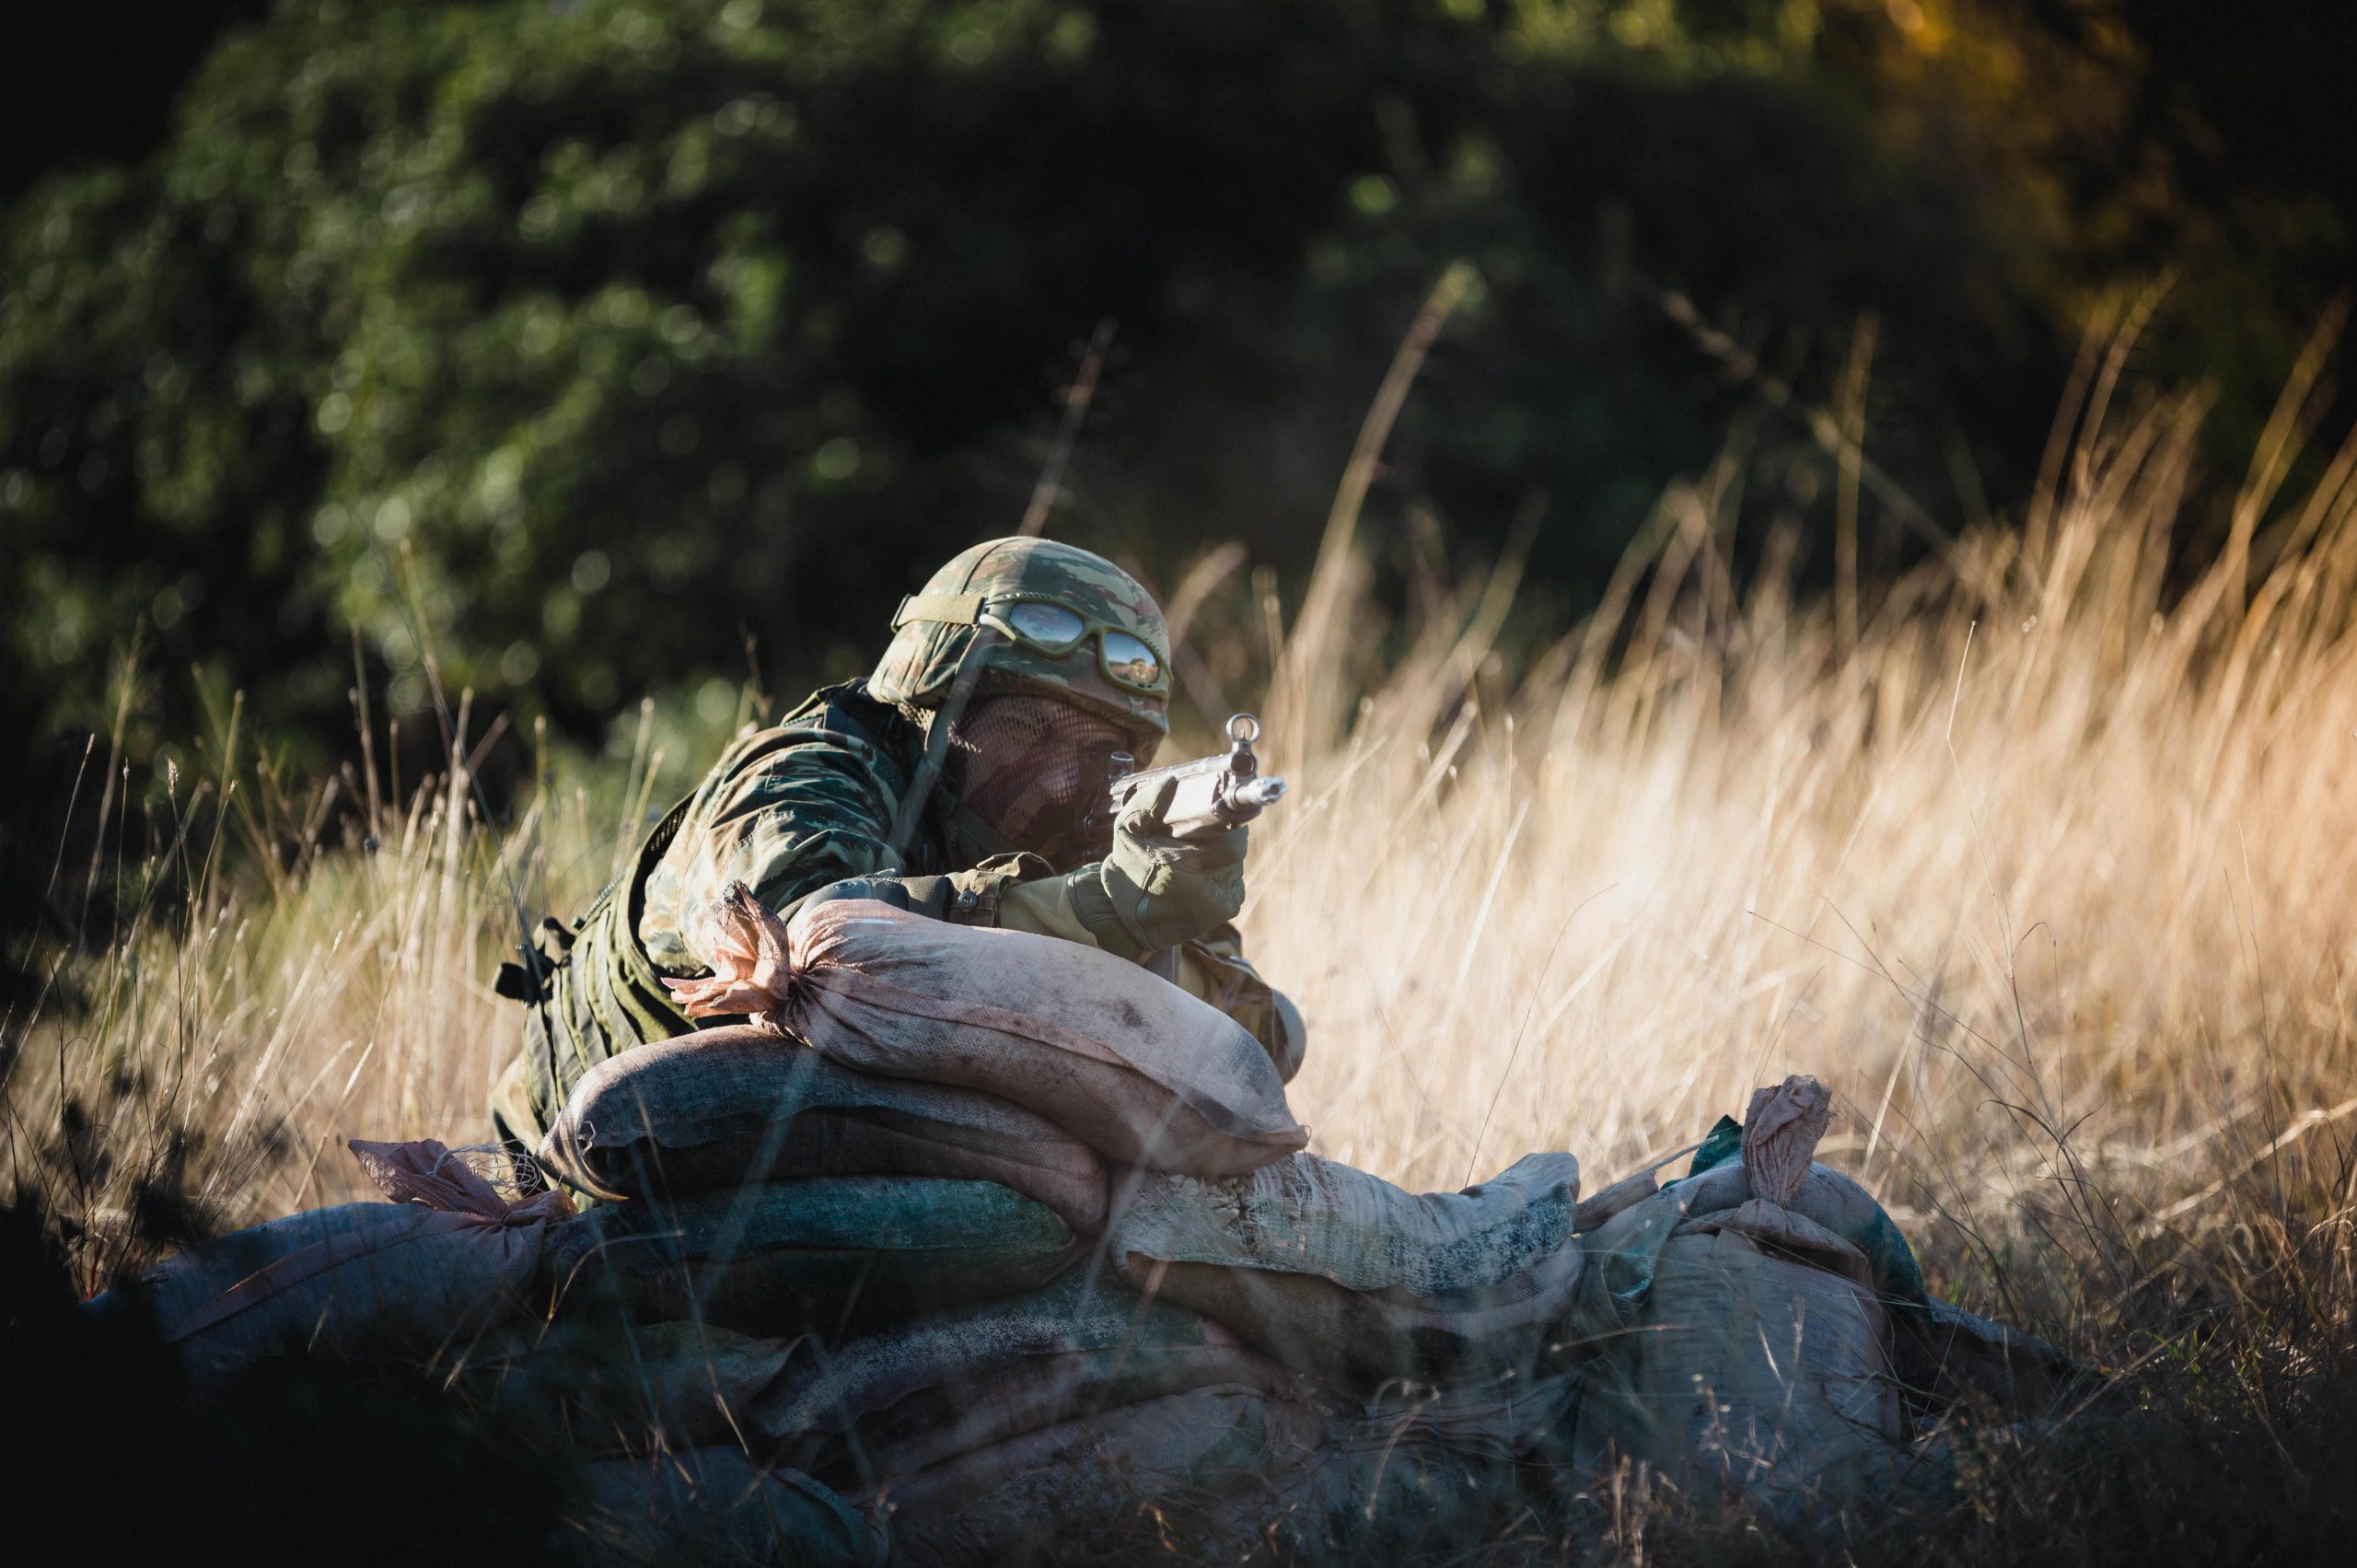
<point x="786" y="810"/>
<point x="921" y="666"/>
<point x="790" y="810"/>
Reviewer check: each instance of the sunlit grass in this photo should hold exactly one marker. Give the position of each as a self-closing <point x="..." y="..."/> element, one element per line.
<point x="2048" y="872"/>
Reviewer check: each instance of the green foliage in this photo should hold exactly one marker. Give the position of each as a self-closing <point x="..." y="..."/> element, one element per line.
<point x="568" y="346"/>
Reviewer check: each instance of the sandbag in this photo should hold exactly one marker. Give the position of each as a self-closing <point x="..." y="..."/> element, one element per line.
<point x="1723" y="1176"/>
<point x="1001" y="1403"/>
<point x="449" y="1261"/>
<point x="1739" y="1316"/>
<point x="1332" y="1271"/>
<point x="1754" y="1180"/>
<point x="1414" y="1474"/>
<point x="1200" y="1474"/>
<point x="724" y="1107"/>
<point x="1117" y="1057"/>
<point x="624" y="1388"/>
<point x="1943" y="1355"/>
<point x="1747" y="1372"/>
<point x="893" y="1403"/>
<point x="713" y="1504"/>
<point x="821" y="1254"/>
<point x="1784" y="1233"/>
<point x="1079" y="1311"/>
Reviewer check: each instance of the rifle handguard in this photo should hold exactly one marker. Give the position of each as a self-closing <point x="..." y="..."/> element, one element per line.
<point x="1216" y="793"/>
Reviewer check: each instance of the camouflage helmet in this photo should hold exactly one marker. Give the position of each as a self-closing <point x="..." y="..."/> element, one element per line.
<point x="935" y="630"/>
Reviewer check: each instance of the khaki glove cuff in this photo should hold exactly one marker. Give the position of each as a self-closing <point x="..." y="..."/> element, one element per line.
<point x="1100" y="911"/>
<point x="961" y="898"/>
<point x="975" y="893"/>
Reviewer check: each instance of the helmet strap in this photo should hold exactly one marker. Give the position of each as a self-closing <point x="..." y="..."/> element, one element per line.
<point x="937" y="743"/>
<point x="973" y="840"/>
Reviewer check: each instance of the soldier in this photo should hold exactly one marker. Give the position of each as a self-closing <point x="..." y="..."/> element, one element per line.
<point x="959" y="780"/>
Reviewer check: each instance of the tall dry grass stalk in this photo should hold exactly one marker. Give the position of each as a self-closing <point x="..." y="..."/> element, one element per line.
<point x="2046" y="869"/>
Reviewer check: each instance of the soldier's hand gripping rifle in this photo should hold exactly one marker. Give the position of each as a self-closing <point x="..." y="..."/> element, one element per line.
<point x="1175" y="866"/>
<point x="1212" y="794"/>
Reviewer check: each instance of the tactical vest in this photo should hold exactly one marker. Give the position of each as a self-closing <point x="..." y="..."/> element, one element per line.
<point x="594" y="990"/>
<point x="602" y="996"/>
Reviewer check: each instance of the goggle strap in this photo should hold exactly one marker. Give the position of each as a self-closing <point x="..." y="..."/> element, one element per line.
<point x="966" y="609"/>
<point x="954" y="610"/>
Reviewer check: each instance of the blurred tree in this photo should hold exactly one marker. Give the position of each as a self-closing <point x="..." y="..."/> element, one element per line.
<point x="95" y="83"/>
<point x="569" y="345"/>
<point x="567" y="342"/>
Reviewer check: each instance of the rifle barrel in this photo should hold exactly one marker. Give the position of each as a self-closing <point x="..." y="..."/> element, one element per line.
<point x="1257" y="794"/>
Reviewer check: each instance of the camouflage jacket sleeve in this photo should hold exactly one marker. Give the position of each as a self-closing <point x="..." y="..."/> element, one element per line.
<point x="787" y="810"/>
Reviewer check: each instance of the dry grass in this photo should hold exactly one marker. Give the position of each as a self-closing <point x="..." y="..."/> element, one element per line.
<point x="2048" y="875"/>
<point x="2048" y="872"/>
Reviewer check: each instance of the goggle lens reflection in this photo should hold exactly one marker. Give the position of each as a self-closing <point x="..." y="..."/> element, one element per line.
<point x="1130" y="661"/>
<point x="1050" y="628"/>
<point x="1056" y="631"/>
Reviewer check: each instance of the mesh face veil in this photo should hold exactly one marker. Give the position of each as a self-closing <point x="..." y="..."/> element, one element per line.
<point x="1029" y="765"/>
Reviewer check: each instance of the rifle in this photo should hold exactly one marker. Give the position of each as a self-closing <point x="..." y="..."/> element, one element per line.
<point x="1215" y="794"/>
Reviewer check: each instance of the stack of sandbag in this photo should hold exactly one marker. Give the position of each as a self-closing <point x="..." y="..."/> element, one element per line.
<point x="1333" y="1271"/>
<point x="1417" y="1474"/>
<point x="969" y="1436"/>
<point x="1052" y="1418"/>
<point x="756" y="1185"/>
<point x="616" y="1387"/>
<point x="450" y="1270"/>
<point x="1762" y="1318"/>
<point x="714" y="1506"/>
<point x="1004" y="1241"/>
<point x="449" y="1259"/>
<point x="1327" y="1270"/>
<point x="725" y="1107"/>
<point x="656" y="1417"/>
<point x="823" y="1254"/>
<point x="921" y="1120"/>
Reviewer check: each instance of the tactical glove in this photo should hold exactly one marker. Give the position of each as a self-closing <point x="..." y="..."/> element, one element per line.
<point x="1155" y="890"/>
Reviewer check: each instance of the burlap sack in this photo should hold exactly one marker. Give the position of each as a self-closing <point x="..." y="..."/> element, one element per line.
<point x="1747" y="1372"/>
<point x="1191" y="1477"/>
<point x="1426" y="1475"/>
<point x="1739" y="1318"/>
<point x="1332" y="1271"/>
<point x="1944" y="1356"/>
<point x="1116" y="1056"/>
<point x="728" y="1105"/>
<point x="450" y="1261"/>
<point x="622" y="1387"/>
<point x="714" y="1506"/>
<point x="1834" y="1202"/>
<point x="825" y="1254"/>
<point x="893" y="1403"/>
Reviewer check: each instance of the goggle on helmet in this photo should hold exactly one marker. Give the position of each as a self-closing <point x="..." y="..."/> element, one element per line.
<point x="1030" y="614"/>
<point x="1046" y="626"/>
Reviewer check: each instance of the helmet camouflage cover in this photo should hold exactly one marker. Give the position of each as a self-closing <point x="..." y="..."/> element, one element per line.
<point x="921" y="664"/>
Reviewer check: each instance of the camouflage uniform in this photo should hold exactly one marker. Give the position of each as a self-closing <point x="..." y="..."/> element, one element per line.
<point x="844" y="796"/>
